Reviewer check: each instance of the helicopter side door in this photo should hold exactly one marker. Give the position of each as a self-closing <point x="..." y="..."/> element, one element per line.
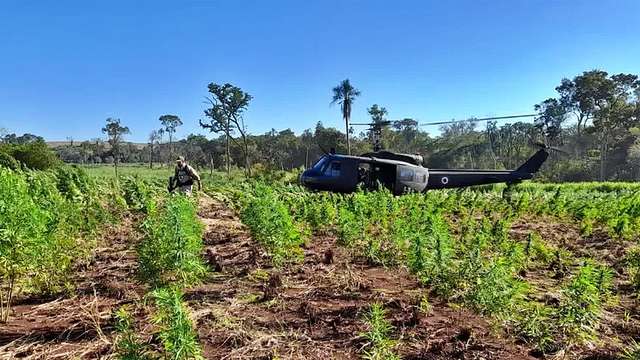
<point x="340" y="175"/>
<point x="383" y="174"/>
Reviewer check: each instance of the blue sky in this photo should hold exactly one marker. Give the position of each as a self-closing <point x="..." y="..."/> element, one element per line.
<point x="65" y="66"/>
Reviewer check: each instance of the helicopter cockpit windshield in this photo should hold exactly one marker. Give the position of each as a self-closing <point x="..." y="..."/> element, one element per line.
<point x="318" y="166"/>
<point x="328" y="167"/>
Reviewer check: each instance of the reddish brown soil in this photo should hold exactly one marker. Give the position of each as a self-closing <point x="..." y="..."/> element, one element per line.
<point x="249" y="310"/>
<point x="566" y="234"/>
<point x="621" y="317"/>
<point x="77" y="324"/>
<point x="315" y="310"/>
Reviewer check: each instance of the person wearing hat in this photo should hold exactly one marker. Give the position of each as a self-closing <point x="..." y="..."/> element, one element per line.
<point x="184" y="177"/>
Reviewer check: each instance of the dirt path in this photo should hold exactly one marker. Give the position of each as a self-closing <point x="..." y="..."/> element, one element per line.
<point x="79" y="325"/>
<point x="249" y="310"/>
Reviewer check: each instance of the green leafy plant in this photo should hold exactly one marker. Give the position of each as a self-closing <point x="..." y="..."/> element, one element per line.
<point x="379" y="345"/>
<point x="632" y="260"/>
<point x="45" y="227"/>
<point x="128" y="345"/>
<point x="171" y="249"/>
<point x="176" y="331"/>
<point x="494" y="289"/>
<point x="534" y="324"/>
<point x="431" y="254"/>
<point x="581" y="306"/>
<point x="137" y="193"/>
<point x="536" y="250"/>
<point x="272" y="224"/>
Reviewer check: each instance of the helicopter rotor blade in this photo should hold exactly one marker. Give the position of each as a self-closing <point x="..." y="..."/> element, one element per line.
<point x="444" y="122"/>
<point x="381" y="123"/>
<point x="478" y="119"/>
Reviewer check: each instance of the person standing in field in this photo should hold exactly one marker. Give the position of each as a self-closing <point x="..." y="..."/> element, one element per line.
<point x="184" y="177"/>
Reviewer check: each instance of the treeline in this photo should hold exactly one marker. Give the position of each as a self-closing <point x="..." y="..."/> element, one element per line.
<point x="594" y="118"/>
<point x="281" y="150"/>
<point x="27" y="151"/>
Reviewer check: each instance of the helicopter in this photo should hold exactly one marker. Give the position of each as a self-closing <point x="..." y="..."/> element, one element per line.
<point x="404" y="173"/>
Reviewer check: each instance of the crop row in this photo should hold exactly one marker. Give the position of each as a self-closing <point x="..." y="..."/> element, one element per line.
<point x="48" y="222"/>
<point x="458" y="244"/>
<point x="169" y="257"/>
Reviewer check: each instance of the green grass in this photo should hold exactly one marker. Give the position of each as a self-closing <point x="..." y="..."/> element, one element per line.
<point x="159" y="175"/>
<point x="105" y="171"/>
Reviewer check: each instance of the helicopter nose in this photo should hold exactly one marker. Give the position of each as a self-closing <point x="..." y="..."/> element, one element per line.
<point x="307" y="177"/>
<point x="303" y="177"/>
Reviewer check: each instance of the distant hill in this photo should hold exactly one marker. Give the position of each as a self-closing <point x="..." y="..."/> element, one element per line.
<point x="55" y="144"/>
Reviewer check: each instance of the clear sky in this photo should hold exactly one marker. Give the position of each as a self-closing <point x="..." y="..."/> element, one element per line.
<point x="65" y="66"/>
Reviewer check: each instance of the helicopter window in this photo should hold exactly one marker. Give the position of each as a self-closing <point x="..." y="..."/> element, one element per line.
<point x="406" y="174"/>
<point x="320" y="164"/>
<point x="333" y="169"/>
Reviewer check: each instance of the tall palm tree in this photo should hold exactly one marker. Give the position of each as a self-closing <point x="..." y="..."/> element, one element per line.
<point x="345" y="94"/>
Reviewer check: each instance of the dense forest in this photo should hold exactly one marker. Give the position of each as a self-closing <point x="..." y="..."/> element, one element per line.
<point x="594" y="119"/>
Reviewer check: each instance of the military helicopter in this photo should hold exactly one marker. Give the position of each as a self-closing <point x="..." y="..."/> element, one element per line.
<point x="403" y="173"/>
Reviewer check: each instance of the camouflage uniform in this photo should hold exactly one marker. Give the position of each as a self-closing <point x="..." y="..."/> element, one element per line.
<point x="184" y="177"/>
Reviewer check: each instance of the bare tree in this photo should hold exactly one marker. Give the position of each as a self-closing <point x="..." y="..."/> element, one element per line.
<point x="115" y="133"/>
<point x="154" y="138"/>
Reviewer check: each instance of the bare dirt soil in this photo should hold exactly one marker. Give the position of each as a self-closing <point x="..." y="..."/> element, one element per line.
<point x="315" y="310"/>
<point x="78" y="324"/>
<point x="621" y="316"/>
<point x="247" y="309"/>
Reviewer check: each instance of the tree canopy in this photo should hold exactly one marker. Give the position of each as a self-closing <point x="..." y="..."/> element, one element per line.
<point x="345" y="94"/>
<point x="594" y="116"/>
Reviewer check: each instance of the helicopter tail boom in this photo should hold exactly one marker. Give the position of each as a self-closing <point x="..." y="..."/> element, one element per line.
<point x="447" y="178"/>
<point x="455" y="178"/>
<point x="534" y="163"/>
